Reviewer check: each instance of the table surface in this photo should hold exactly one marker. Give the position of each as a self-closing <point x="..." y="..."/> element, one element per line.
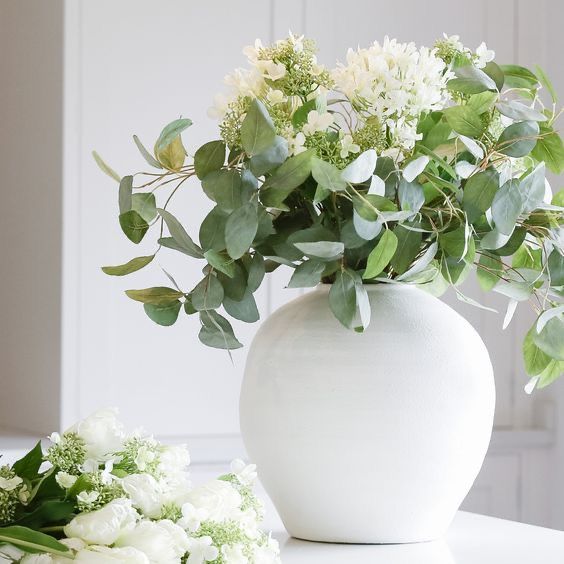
<point x="471" y="539"/>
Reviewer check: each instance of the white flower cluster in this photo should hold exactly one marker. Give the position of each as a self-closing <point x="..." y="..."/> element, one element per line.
<point x="396" y="83"/>
<point x="137" y="506"/>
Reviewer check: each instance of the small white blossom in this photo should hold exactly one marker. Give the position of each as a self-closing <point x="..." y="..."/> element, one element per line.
<point x="483" y="55"/>
<point x="10" y="484"/>
<point x="246" y="473"/>
<point x="271" y="70"/>
<point x="317" y="122"/>
<point x="275" y="97"/>
<point x="87" y="497"/>
<point x="453" y="41"/>
<point x="201" y="550"/>
<point x="55" y="438"/>
<point x="191" y="517"/>
<point x="296" y="144"/>
<point x="348" y="146"/>
<point x="65" y="480"/>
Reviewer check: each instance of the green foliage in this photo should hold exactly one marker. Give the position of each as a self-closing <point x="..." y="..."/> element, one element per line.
<point x="345" y="202"/>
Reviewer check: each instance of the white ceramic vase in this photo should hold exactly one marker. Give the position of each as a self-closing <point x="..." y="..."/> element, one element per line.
<point x="373" y="437"/>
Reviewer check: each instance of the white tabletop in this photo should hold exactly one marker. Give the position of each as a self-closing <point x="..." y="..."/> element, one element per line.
<point x="472" y="539"/>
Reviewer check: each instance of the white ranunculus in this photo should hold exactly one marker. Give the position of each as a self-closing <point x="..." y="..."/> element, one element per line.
<point x="102" y="432"/>
<point x="106" y="555"/>
<point x="174" y="459"/>
<point x="145" y="493"/>
<point x="162" y="541"/>
<point x="37" y="559"/>
<point x="104" y="525"/>
<point x="192" y="517"/>
<point x="218" y="497"/>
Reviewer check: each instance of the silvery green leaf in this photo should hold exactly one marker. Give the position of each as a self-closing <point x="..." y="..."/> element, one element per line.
<point x="327" y="175"/>
<point x="377" y="186"/>
<point x="494" y="240"/>
<point x="519" y="112"/>
<point x="307" y="274"/>
<point x="511" y="307"/>
<point x="105" y="168"/>
<point x="519" y="139"/>
<point x="551" y="339"/>
<point x="519" y="291"/>
<point x="145" y="153"/>
<point x="361" y="169"/>
<point x="257" y="130"/>
<point x="342" y="297"/>
<point x="397" y="216"/>
<point x="368" y="230"/>
<point x="124" y="193"/>
<point x="471" y="80"/>
<point x="180" y="236"/>
<point x="280" y="260"/>
<point x="322" y="249"/>
<point x="363" y="304"/>
<point x="463" y="298"/>
<point x="507" y="206"/>
<point x="472" y="146"/>
<point x="415" y="168"/>
<point x="547" y="315"/>
<point x="411" y="195"/>
<point x="533" y="188"/>
<point x="421" y="263"/>
<point x="464" y="169"/>
<point x="170" y="132"/>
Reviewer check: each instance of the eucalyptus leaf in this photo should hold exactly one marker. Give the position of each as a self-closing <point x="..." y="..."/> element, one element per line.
<point x="519" y="139"/>
<point x="518" y="111"/>
<point x="342" y="298"/>
<point x="145" y="153"/>
<point x="325" y="250"/>
<point x="361" y="169"/>
<point x="133" y="225"/>
<point x="507" y="205"/>
<point x="549" y="149"/>
<point x="381" y="255"/>
<point x="489" y="272"/>
<point x="411" y="195"/>
<point x="532" y="188"/>
<point x="551" y="339"/>
<point x="221" y="261"/>
<point x="470" y="80"/>
<point x="464" y="120"/>
<point x="556" y="268"/>
<point x="170" y="133"/>
<point x="240" y="230"/>
<point x="145" y="205"/>
<point x="208" y="294"/>
<point x="366" y="229"/>
<point x="124" y="193"/>
<point x="327" y="175"/>
<point x="483" y="102"/>
<point x="132" y="266"/>
<point x="179" y="234"/>
<point x="164" y="315"/>
<point x="209" y="157"/>
<point x="409" y="244"/>
<point x="257" y="130"/>
<point x="216" y="331"/>
<point x="212" y="230"/>
<point x="255" y="272"/>
<point x="272" y="157"/>
<point x="307" y="274"/>
<point x="159" y="295"/>
<point x="244" y="310"/>
<point x="225" y="188"/>
<point x="420" y="265"/>
<point x="106" y="169"/>
<point x="414" y="168"/>
<point x="479" y="192"/>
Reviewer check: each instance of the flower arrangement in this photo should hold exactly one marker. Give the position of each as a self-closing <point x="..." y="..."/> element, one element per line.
<point x="109" y="496"/>
<point x="401" y="165"/>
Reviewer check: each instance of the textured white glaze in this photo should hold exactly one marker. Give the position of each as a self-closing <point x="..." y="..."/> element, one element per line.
<point x="374" y="437"/>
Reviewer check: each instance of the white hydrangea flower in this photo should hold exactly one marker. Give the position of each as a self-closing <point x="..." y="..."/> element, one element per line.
<point x="246" y="473"/>
<point x="105" y="525"/>
<point x="394" y="82"/>
<point x="252" y="51"/>
<point x="173" y="459"/>
<point x="162" y="541"/>
<point x="317" y="122"/>
<point x="65" y="480"/>
<point x="267" y="554"/>
<point x="87" y="498"/>
<point x="483" y="55"/>
<point x="218" y="497"/>
<point x="233" y="554"/>
<point x="201" y="550"/>
<point x="348" y="146"/>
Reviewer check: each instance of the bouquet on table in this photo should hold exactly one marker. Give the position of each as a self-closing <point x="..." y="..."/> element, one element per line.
<point x="100" y="495"/>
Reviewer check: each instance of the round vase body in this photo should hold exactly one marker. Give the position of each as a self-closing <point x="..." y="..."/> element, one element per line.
<point x="374" y="437"/>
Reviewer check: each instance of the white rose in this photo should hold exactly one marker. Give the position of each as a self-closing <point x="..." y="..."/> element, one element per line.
<point x="106" y="555"/>
<point x="37" y="559"/>
<point x="174" y="459"/>
<point x="218" y="497"/>
<point x="145" y="493"/>
<point x="104" y="525"/>
<point x="162" y="541"/>
<point x="102" y="432"/>
<point x="233" y="554"/>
